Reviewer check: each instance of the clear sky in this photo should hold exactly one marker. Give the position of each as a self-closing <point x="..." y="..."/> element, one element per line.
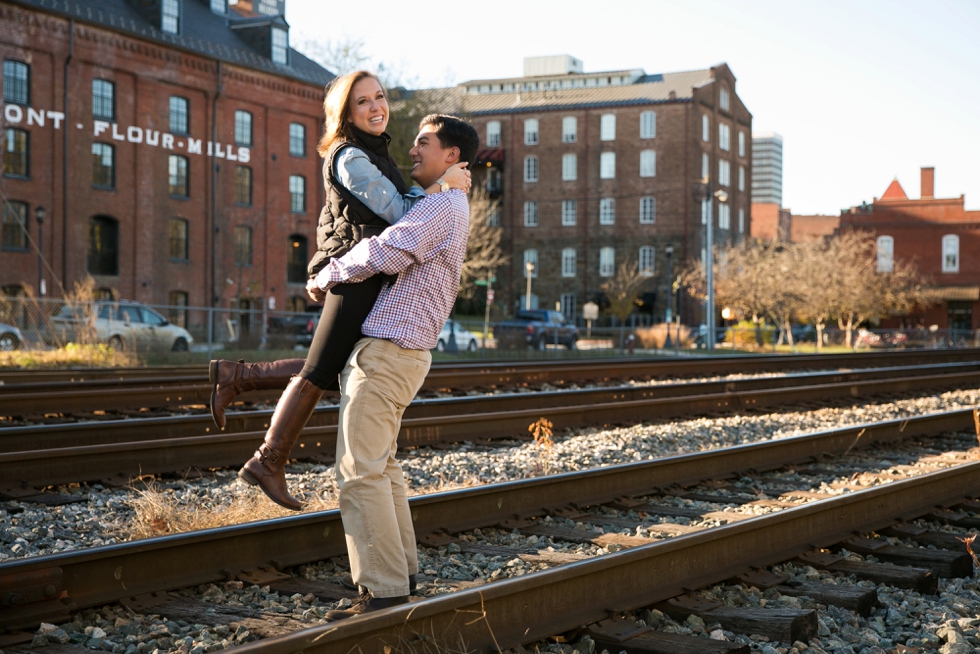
<point x="862" y="91"/>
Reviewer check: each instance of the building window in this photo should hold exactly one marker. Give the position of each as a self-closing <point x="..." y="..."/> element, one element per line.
<point x="648" y="210"/>
<point x="568" y="262"/>
<point x="886" y="254"/>
<point x="648" y="124"/>
<point x="103" y="165"/>
<point x="243" y="128"/>
<point x="296" y="304"/>
<point x="648" y="163"/>
<point x="704" y="212"/>
<point x="569" y="129"/>
<point x="297" y="193"/>
<point x="607" y="165"/>
<point x="951" y="253"/>
<point x="724" y="100"/>
<point x="280" y="46"/>
<point x="741" y="221"/>
<point x="569" y="212"/>
<point x="724" y="137"/>
<point x="296" y="259"/>
<point x="16" y="82"/>
<point x="531" y="213"/>
<point x="705" y="128"/>
<point x="741" y="143"/>
<point x="243" y="186"/>
<point x="103" y="99"/>
<point x="607" y="127"/>
<point x="724" y="172"/>
<point x="531" y="131"/>
<point x="297" y="140"/>
<point x="607" y="211"/>
<point x="219" y="6"/>
<point x="569" y="167"/>
<point x="243" y="246"/>
<point x="724" y="216"/>
<point x="741" y="178"/>
<point x="103" y="246"/>
<point x="16" y="152"/>
<point x="493" y="133"/>
<point x="530" y="169"/>
<point x="705" y="165"/>
<point x="531" y="256"/>
<point x="179" y="123"/>
<point x="178" y="239"/>
<point x="493" y="215"/>
<point x="607" y="261"/>
<point x="170" y="22"/>
<point x="568" y="302"/>
<point x="494" y="181"/>
<point x="178" y="176"/>
<point x="646" y="260"/>
<point x="177" y="313"/>
<point x="14" y="225"/>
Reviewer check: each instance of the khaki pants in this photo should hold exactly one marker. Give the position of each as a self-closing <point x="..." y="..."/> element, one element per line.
<point x="379" y="381"/>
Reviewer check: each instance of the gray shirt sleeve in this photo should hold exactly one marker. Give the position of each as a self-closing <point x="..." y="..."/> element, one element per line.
<point x="363" y="179"/>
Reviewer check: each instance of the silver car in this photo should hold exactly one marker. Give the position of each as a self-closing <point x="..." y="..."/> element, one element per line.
<point x="122" y="325"/>
<point x="10" y="338"/>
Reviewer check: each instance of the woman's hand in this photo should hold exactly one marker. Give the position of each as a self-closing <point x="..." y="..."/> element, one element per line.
<point x="458" y="177"/>
<point x="316" y="293"/>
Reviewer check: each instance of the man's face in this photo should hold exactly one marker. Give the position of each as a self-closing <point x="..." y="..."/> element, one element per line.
<point x="430" y="159"/>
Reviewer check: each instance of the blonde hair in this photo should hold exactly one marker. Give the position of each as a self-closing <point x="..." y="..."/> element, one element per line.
<point x="336" y="127"/>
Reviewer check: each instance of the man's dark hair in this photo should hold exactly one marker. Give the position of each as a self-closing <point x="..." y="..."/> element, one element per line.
<point x="454" y="132"/>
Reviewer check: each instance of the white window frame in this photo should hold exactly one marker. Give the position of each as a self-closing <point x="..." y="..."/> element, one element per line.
<point x="725" y="137"/>
<point x="568" y="260"/>
<point x="705" y="128"/>
<point x="741" y="178"/>
<point x="569" y="167"/>
<point x="724" y="216"/>
<point x="530" y="169"/>
<point x="568" y="302"/>
<point x="531" y="213"/>
<point x="531" y="131"/>
<point x="531" y="255"/>
<point x="607" y="165"/>
<point x="741" y="143"/>
<point x="741" y="220"/>
<point x="885" y="247"/>
<point x="569" y="212"/>
<point x="170" y="16"/>
<point x="607" y="261"/>
<point x="724" y="99"/>
<point x="951" y="253"/>
<point x="607" y="127"/>
<point x="648" y="125"/>
<point x="648" y="163"/>
<point x="280" y="46"/>
<point x="648" y="210"/>
<point x="705" y="165"/>
<point x="569" y="129"/>
<point x="646" y="260"/>
<point x="724" y="172"/>
<point x="493" y="133"/>
<point x="607" y="211"/>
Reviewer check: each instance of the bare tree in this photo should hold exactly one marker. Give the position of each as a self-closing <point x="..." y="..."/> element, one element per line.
<point x="623" y="288"/>
<point x="483" y="252"/>
<point x="341" y="56"/>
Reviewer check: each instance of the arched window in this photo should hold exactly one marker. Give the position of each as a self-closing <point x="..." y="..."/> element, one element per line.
<point x="646" y="260"/>
<point x="16" y="82"/>
<point x="103" y="245"/>
<point x="296" y="259"/>
<point x="607" y="127"/>
<point x="530" y="169"/>
<point x="493" y="133"/>
<point x="569" y="129"/>
<point x="648" y="210"/>
<point x="531" y="131"/>
<point x="648" y="163"/>
<point x="568" y="257"/>
<point x="951" y="253"/>
<point x="243" y="128"/>
<point x="531" y="256"/>
<point x="179" y="232"/>
<point x="297" y="193"/>
<point x="16" y="152"/>
<point x="607" y="261"/>
<point x="15" y="226"/>
<point x="705" y="128"/>
<point x="648" y="124"/>
<point x="886" y="254"/>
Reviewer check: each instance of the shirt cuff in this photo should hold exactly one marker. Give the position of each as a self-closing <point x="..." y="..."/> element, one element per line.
<point x="325" y="279"/>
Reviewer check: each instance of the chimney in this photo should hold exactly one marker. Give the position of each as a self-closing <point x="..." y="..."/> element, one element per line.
<point x="928" y="184"/>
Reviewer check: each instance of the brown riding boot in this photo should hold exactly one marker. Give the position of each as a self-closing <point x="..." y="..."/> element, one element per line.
<point x="267" y="467"/>
<point x="230" y="379"/>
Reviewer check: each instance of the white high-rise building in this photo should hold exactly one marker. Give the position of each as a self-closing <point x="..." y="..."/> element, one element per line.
<point x="767" y="168"/>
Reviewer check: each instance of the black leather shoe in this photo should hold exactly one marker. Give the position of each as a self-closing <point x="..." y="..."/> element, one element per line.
<point x="366" y="604"/>
<point x="347" y="581"/>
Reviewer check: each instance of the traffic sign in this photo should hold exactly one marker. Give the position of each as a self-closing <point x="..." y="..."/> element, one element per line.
<point x="490" y="296"/>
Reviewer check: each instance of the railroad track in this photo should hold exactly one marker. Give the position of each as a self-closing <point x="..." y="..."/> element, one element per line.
<point x="38" y="456"/>
<point x="38" y="393"/>
<point x="746" y="508"/>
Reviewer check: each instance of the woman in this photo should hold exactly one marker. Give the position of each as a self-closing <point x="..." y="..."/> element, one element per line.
<point x="365" y="193"/>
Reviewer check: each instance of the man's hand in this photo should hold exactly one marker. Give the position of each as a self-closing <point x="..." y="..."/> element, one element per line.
<point x="316" y="293"/>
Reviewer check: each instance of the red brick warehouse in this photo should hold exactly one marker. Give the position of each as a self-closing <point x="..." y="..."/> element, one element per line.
<point x="172" y="144"/>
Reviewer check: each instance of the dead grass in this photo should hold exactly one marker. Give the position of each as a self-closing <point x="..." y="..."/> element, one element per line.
<point x="71" y="355"/>
<point x="655" y="337"/>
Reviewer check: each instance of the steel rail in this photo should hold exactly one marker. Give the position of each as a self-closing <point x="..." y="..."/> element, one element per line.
<point x="123" y="461"/>
<point x="39" y="437"/>
<point x="107" y="574"/>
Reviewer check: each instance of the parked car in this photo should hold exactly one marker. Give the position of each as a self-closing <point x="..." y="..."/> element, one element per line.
<point x="465" y="340"/>
<point x="537" y="329"/>
<point x="121" y="324"/>
<point x="803" y="333"/>
<point x="291" y="330"/>
<point x="10" y="338"/>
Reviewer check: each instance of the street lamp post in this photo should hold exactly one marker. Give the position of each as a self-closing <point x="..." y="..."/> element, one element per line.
<point x="703" y="193"/>
<point x="39" y="213"/>
<point x="529" y="267"/>
<point x="669" y="251"/>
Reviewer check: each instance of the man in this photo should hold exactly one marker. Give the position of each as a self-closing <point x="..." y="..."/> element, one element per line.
<point x="386" y="369"/>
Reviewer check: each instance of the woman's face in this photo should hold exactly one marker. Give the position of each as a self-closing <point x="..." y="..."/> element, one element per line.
<point x="367" y="107"/>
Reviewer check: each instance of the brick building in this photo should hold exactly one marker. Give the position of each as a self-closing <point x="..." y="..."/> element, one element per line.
<point x="940" y="236"/>
<point x="172" y="144"/>
<point x="594" y="169"/>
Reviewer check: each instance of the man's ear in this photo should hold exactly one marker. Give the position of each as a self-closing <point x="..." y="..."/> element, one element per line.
<point x="452" y="157"/>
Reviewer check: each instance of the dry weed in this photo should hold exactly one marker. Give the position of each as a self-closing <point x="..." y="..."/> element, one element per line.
<point x="969" y="541"/>
<point x="541" y="429"/>
<point x="71" y="355"/>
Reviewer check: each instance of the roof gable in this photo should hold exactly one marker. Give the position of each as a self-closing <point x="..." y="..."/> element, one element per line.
<point x="894" y="192"/>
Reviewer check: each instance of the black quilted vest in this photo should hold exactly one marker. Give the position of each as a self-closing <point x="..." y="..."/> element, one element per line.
<point x="344" y="220"/>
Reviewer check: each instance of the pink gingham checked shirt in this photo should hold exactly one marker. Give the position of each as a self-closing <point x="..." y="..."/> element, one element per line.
<point x="425" y="249"/>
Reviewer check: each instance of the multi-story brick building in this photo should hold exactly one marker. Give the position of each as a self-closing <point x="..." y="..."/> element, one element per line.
<point x="172" y="144"/>
<point x="594" y="169"/>
<point x="940" y="237"/>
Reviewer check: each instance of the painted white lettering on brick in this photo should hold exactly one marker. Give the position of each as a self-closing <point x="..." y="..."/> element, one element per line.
<point x="152" y="137"/>
<point x="244" y="155"/>
<point x="134" y="134"/>
<point x="193" y="146"/>
<point x="100" y="126"/>
<point x="116" y="136"/>
<point x="210" y="148"/>
<point x="13" y="113"/>
<point x="218" y="152"/>
<point x="57" y="117"/>
<point x="168" y="141"/>
<point x="35" y="117"/>
<point x="231" y="157"/>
